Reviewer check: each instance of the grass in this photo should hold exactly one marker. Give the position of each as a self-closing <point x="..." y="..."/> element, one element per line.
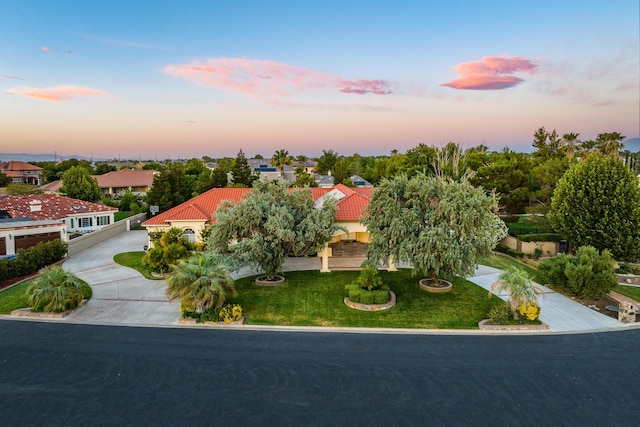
<point x="504" y="263"/>
<point x="135" y="260"/>
<point x="16" y="297"/>
<point x="632" y="292"/>
<point x="311" y="298"/>
<point x="119" y="216"/>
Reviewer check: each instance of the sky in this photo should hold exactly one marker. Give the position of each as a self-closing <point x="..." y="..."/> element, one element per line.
<point x="179" y="79"/>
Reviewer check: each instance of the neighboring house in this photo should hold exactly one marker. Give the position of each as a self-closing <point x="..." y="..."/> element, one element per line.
<point x="309" y="166"/>
<point x="77" y="215"/>
<point x="137" y="180"/>
<point x="112" y="183"/>
<point x="194" y="215"/>
<point x="23" y="233"/>
<point x="22" y="172"/>
<point x="324" y="181"/>
<point x="359" y="181"/>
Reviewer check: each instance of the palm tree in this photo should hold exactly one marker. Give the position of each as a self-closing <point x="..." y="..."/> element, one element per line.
<point x="610" y="143"/>
<point x="280" y="159"/>
<point x="55" y="290"/>
<point x="201" y="281"/>
<point x="571" y="143"/>
<point x="522" y="291"/>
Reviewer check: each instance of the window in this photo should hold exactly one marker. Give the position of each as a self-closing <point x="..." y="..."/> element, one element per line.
<point x="72" y="223"/>
<point x="190" y="235"/>
<point x="85" y="222"/>
<point x="102" y="220"/>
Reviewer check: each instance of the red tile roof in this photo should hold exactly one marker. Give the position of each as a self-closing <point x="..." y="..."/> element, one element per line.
<point x="19" y="166"/>
<point x="202" y="207"/>
<point x="53" y="206"/>
<point x="125" y="178"/>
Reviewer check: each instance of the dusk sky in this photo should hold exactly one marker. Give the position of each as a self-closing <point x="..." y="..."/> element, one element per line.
<point x="167" y="79"/>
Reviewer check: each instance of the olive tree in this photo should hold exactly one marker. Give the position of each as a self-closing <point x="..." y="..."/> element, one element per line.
<point x="597" y="203"/>
<point x="440" y="226"/>
<point x="270" y="223"/>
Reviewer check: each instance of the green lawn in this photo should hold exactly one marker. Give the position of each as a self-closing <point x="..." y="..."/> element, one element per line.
<point x="16" y="297"/>
<point x="504" y="263"/>
<point x="311" y="298"/>
<point x="632" y="292"/>
<point x="134" y="260"/>
<point x="119" y="216"/>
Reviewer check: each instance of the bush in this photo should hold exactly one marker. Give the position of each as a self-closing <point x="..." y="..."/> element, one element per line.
<point x="510" y="219"/>
<point x="366" y="297"/>
<point x="380" y="297"/>
<point x="529" y="312"/>
<point x="501" y="314"/>
<point x="230" y="313"/>
<point x="542" y="237"/>
<point x="588" y="275"/>
<point x="507" y="250"/>
<point x="32" y="259"/>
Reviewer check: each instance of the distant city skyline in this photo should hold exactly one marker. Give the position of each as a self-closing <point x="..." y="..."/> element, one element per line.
<point x="155" y="80"/>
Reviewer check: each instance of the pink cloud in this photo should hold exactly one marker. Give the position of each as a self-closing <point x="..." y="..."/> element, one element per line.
<point x="56" y="93"/>
<point x="45" y="49"/>
<point x="267" y="78"/>
<point x="11" y="77"/>
<point x="491" y="73"/>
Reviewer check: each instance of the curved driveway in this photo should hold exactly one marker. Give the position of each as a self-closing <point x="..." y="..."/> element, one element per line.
<point x="123" y="296"/>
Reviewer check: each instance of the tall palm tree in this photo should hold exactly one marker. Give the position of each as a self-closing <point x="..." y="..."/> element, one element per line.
<point x="610" y="143"/>
<point x="55" y="290"/>
<point x="280" y="159"/>
<point x="522" y="290"/>
<point x="202" y="281"/>
<point x="571" y="143"/>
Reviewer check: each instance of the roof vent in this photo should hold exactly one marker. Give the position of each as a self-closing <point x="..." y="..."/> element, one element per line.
<point x="35" y="205"/>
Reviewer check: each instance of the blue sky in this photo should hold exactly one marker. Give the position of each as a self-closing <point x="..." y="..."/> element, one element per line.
<point x="153" y="79"/>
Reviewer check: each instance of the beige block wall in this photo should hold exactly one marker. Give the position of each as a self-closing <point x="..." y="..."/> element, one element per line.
<point x="529" y="248"/>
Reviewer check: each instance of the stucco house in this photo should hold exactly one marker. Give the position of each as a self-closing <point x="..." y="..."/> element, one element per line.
<point x="23" y="233"/>
<point x="78" y="216"/>
<point x="194" y="215"/>
<point x="22" y="172"/>
<point x="111" y="183"/>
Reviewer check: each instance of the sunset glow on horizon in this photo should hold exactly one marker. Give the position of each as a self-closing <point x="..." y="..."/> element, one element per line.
<point x="157" y="80"/>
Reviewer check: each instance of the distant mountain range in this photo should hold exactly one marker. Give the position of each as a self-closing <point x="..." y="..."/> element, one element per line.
<point x="632" y="144"/>
<point x="28" y="157"/>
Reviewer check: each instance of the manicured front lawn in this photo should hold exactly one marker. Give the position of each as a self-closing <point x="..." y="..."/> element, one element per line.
<point x="311" y="298"/>
<point x="134" y="260"/>
<point x="632" y="292"/>
<point x="16" y="297"/>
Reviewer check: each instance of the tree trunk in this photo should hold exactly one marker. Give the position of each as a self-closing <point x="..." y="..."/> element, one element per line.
<point x="434" y="278"/>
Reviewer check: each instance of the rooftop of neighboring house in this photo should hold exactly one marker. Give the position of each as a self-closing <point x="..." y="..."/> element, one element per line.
<point x="126" y="178"/>
<point x="351" y="203"/>
<point x="47" y="206"/>
<point x="18" y="166"/>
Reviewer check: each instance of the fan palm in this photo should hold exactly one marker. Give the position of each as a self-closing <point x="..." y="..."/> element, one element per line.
<point x="522" y="290"/>
<point x="280" y="159"/>
<point x="202" y="281"/>
<point x="55" y="290"/>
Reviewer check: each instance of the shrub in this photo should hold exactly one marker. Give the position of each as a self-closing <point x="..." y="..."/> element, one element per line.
<point x="501" y="314"/>
<point x="529" y="311"/>
<point x="380" y="297"/>
<point x="510" y="219"/>
<point x="230" y="313"/>
<point x="589" y="274"/>
<point x="540" y="237"/>
<point x="55" y="291"/>
<point x="369" y="279"/>
<point x="366" y="297"/>
<point x="507" y="250"/>
<point x="32" y="259"/>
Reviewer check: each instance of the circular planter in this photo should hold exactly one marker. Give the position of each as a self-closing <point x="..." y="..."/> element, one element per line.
<point x="372" y="307"/>
<point x="425" y="284"/>
<point x="263" y="281"/>
<point x="160" y="275"/>
<point x="486" y="325"/>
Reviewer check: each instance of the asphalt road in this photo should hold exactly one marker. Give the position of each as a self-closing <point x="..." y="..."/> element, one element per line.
<point x="71" y="374"/>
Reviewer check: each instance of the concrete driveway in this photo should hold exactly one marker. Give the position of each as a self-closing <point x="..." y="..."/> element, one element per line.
<point x="121" y="295"/>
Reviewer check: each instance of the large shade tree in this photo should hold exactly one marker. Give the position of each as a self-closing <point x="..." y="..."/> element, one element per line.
<point x="439" y="226"/>
<point x="79" y="184"/>
<point x="597" y="203"/>
<point x="270" y="223"/>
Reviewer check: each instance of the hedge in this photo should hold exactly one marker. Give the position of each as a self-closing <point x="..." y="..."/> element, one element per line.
<point x="541" y="237"/>
<point x="507" y="250"/>
<point x="32" y="259"/>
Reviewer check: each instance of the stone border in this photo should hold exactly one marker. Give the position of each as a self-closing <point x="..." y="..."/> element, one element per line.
<point x="26" y="312"/>
<point x="160" y="275"/>
<point x="435" y="289"/>
<point x="372" y="307"/>
<point x="192" y="321"/>
<point x="278" y="282"/>
<point x="484" y="325"/>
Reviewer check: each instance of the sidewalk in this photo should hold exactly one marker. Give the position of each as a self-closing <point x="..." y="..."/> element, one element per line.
<point x="123" y="296"/>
